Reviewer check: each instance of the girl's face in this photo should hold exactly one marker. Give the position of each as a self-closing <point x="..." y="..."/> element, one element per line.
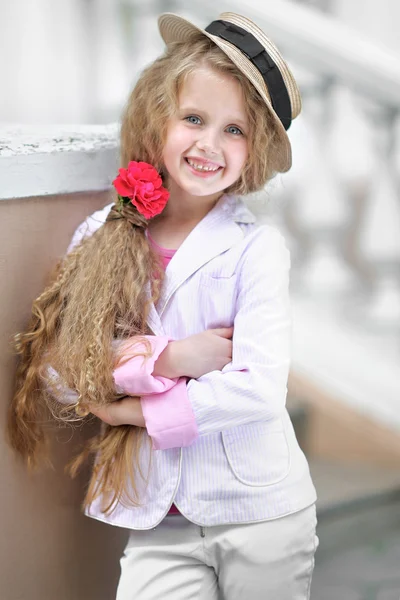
<point x="207" y="139"/>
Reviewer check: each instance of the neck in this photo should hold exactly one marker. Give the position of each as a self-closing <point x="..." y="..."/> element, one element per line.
<point x="180" y="216"/>
<point x="183" y="207"/>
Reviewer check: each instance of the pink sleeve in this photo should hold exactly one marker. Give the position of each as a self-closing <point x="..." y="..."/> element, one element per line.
<point x="134" y="377"/>
<point x="167" y="411"/>
<point x="169" y="417"/>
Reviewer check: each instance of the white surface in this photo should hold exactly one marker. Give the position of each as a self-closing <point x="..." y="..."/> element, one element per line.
<point x="45" y="63"/>
<point x="358" y="368"/>
<point x="325" y="45"/>
<point x="58" y="159"/>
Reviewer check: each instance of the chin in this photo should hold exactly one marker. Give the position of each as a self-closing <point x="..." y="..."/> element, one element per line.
<point x="202" y="193"/>
<point x="202" y="190"/>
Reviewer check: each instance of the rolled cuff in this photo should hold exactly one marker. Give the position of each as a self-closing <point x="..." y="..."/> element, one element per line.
<point x="134" y="377"/>
<point x="169" y="418"/>
<point x="54" y="385"/>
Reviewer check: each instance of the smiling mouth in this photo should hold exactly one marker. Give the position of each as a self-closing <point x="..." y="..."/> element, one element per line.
<point x="203" y="168"/>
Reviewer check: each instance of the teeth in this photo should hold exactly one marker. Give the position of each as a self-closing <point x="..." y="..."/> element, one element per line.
<point x="201" y="167"/>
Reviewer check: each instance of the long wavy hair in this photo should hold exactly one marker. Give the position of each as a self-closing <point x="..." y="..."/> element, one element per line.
<point x="100" y="291"/>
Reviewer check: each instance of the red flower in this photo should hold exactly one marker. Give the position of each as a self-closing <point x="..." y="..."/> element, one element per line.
<point x="142" y="185"/>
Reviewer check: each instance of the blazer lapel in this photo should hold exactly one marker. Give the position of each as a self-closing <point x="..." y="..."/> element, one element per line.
<point x="153" y="319"/>
<point x="217" y="232"/>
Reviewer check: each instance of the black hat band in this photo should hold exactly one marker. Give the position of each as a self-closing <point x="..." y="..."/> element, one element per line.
<point x="256" y="53"/>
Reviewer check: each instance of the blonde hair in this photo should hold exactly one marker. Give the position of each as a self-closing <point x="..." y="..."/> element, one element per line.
<point x="99" y="291"/>
<point x="155" y="99"/>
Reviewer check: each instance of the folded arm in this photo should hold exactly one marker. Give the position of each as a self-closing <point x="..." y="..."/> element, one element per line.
<point x="253" y="386"/>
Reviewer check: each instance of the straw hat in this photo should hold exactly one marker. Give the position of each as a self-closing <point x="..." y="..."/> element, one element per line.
<point x="253" y="54"/>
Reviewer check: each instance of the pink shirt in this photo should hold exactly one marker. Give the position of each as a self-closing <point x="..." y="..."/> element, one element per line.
<point x="165" y="253"/>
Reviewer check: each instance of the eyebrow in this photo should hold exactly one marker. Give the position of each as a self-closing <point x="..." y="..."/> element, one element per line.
<point x="191" y="109"/>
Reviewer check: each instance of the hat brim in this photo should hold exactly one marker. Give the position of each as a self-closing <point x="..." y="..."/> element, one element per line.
<point x="174" y="28"/>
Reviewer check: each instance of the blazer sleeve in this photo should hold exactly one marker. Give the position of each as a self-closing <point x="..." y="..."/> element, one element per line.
<point x="89" y="226"/>
<point x="253" y="386"/>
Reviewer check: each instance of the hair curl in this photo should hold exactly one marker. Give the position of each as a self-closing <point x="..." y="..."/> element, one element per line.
<point x="99" y="290"/>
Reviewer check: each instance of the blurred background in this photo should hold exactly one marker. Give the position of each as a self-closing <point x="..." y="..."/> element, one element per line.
<point x="66" y="68"/>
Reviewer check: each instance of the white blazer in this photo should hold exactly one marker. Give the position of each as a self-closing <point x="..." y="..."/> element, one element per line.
<point x="246" y="464"/>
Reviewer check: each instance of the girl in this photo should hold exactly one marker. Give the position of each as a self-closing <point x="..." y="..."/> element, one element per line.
<point x="169" y="319"/>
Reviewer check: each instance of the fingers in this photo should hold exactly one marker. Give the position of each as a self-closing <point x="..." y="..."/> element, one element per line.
<point x="225" y="332"/>
<point x="108" y="413"/>
<point x="127" y="411"/>
<point x="102" y="413"/>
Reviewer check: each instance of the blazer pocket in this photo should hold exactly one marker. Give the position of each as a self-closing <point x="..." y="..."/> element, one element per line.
<point x="218" y="280"/>
<point x="216" y="297"/>
<point x="258" y="453"/>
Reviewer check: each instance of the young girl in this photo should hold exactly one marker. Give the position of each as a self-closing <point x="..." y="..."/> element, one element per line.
<point x="169" y="320"/>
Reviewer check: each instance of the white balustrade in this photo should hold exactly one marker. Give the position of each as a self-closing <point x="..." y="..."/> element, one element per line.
<point x="340" y="204"/>
<point x="379" y="237"/>
<point x="142" y="40"/>
<point x="321" y="206"/>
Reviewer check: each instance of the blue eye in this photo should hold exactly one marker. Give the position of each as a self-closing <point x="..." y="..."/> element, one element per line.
<point x="193" y="120"/>
<point x="234" y="130"/>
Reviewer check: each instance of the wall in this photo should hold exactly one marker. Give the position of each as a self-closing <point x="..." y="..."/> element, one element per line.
<point x="51" y="179"/>
<point x="48" y="549"/>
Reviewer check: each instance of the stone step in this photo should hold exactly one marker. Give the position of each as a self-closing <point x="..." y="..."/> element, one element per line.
<point x="340" y="486"/>
<point x="340" y="483"/>
<point x="358" y="513"/>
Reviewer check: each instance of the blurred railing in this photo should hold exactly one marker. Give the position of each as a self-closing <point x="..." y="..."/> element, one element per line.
<point x="339" y="205"/>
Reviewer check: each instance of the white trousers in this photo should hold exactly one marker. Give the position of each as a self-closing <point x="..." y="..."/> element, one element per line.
<point x="270" y="560"/>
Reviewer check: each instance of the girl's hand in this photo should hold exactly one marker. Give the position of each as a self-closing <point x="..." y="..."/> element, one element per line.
<point x="196" y="355"/>
<point x="127" y="411"/>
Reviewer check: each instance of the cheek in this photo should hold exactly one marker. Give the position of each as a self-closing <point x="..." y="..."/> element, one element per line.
<point x="178" y="140"/>
<point x="239" y="154"/>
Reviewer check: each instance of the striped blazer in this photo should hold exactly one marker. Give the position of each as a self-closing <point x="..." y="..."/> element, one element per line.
<point x="244" y="463"/>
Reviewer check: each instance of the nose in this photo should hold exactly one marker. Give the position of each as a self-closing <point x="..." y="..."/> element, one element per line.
<point x="209" y="142"/>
